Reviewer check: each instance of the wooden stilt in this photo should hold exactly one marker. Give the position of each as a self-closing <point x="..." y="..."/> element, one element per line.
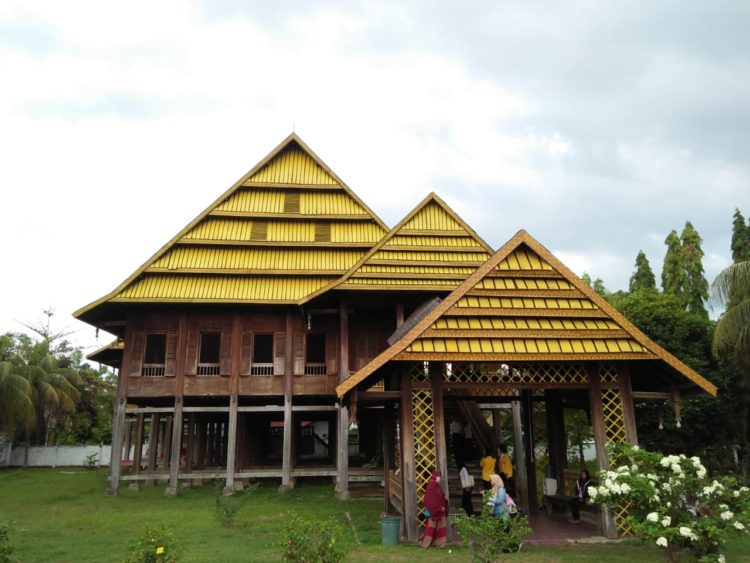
<point x="166" y="449"/>
<point x="128" y="442"/>
<point x="174" y="458"/>
<point x="286" y="453"/>
<point x="231" y="446"/>
<point x="387" y="455"/>
<point x="153" y="444"/>
<point x="628" y="409"/>
<point x="528" y="424"/>
<point x="408" y="469"/>
<point x="189" y="448"/>
<point x="556" y="437"/>
<point x="342" y="459"/>
<point x="138" y="451"/>
<point x="200" y="432"/>
<point x="118" y="429"/>
<point x="519" y="449"/>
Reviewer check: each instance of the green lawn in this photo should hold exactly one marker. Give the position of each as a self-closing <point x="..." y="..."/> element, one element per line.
<point x="64" y="515"/>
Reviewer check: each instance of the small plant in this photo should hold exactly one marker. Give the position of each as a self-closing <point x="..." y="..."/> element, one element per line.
<point x="227" y="507"/>
<point x="156" y="544"/>
<point x="488" y="536"/>
<point x="6" y="551"/>
<point x="91" y="461"/>
<point x="312" y="542"/>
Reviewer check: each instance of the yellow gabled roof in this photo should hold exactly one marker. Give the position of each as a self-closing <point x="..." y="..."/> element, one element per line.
<point x="524" y="305"/>
<point x="432" y="248"/>
<point x="287" y="228"/>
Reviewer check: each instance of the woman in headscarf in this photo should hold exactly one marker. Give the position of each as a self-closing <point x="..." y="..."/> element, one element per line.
<point x="436" y="528"/>
<point x="497" y="497"/>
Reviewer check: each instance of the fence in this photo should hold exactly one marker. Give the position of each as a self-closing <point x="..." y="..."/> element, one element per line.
<point x="54" y="456"/>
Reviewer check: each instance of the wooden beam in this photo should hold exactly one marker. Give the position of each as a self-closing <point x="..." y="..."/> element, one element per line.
<point x="148" y="410"/>
<point x="286" y="452"/>
<point x="205" y="409"/>
<point x="153" y="443"/>
<point x="174" y="457"/>
<point x="118" y="429"/>
<point x="438" y="416"/>
<point x="138" y="451"/>
<point x="521" y="479"/>
<point x="387" y="418"/>
<point x="262" y="408"/>
<point x="651" y="395"/>
<point x="231" y="446"/>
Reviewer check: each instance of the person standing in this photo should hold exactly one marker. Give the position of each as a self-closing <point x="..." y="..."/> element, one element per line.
<point x="467" y="486"/>
<point x="506" y="469"/>
<point x="457" y="437"/>
<point x="497" y="497"/>
<point x="487" y="463"/>
<point x="582" y="496"/>
<point x="436" y="505"/>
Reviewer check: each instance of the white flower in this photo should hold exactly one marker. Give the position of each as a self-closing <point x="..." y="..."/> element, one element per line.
<point x="636" y="448"/>
<point x="701" y="472"/>
<point x="656" y="498"/>
<point x="687" y="533"/>
<point x="669" y="504"/>
<point x="625" y="488"/>
<point x="662" y="541"/>
<point x="652" y="517"/>
<point x="736" y="493"/>
<point x="724" y="506"/>
<point x="666" y="521"/>
<point x="727" y="515"/>
<point x="744" y="489"/>
<point x="652" y="477"/>
<point x="666" y="486"/>
<point x="721" y="559"/>
<point x="592" y="492"/>
<point x="739" y="525"/>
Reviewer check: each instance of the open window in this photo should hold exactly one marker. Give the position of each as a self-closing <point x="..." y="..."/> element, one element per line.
<point x="208" y="357"/>
<point x="262" y="363"/>
<point x="155" y="355"/>
<point x="315" y="354"/>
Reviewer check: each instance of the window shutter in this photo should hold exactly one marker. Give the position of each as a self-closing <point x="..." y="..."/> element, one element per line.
<point x="247" y="353"/>
<point x="191" y="354"/>
<point x="279" y="353"/>
<point x="225" y="349"/>
<point x="299" y="353"/>
<point x="171" y="356"/>
<point x="291" y="202"/>
<point x="322" y="232"/>
<point x="137" y="343"/>
<point x="332" y="356"/>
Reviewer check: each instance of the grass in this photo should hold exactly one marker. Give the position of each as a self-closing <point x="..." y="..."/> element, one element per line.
<point x="64" y="515"/>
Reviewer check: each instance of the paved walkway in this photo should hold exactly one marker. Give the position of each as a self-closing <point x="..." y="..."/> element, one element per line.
<point x="556" y="529"/>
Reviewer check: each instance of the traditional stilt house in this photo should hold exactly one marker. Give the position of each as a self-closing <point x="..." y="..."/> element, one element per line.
<point x="286" y="333"/>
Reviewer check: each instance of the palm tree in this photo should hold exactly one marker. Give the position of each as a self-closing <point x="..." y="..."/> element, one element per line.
<point x="732" y="288"/>
<point x="16" y="404"/>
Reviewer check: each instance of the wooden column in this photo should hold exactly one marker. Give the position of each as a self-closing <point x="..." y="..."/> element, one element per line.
<point x="528" y="422"/>
<point x="234" y="386"/>
<point x="176" y="439"/>
<point x="387" y="455"/>
<point x="438" y="414"/>
<point x="286" y="455"/>
<point x="138" y="451"/>
<point x="342" y="458"/>
<point x="189" y="448"/>
<point x="556" y="437"/>
<point x="521" y="479"/>
<point x="628" y="410"/>
<point x="166" y="441"/>
<point x="600" y="440"/>
<point x="118" y="430"/>
<point x="128" y="438"/>
<point x="408" y="469"/>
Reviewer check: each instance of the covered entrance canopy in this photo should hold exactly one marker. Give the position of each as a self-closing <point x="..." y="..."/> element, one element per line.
<point x="522" y="323"/>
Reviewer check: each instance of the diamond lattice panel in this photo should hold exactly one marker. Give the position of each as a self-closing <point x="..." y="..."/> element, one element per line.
<point x="420" y="371"/>
<point x="614" y="427"/>
<point x="425" y="459"/>
<point x="608" y="373"/>
<point x="540" y="441"/>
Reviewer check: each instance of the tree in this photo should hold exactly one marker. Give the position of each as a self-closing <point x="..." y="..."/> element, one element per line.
<point x="16" y="405"/>
<point x="673" y="271"/>
<point x="695" y="284"/>
<point x="643" y="277"/>
<point x="740" y="238"/>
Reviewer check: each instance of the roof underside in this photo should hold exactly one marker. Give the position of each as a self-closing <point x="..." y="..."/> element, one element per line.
<point x="285" y="230"/>
<point x="524" y="305"/>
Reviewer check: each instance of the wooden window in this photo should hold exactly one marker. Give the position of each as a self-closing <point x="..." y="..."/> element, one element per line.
<point x="322" y="232"/>
<point x="291" y="202"/>
<point x="315" y="354"/>
<point x="155" y="355"/>
<point x="208" y="357"/>
<point x="259" y="230"/>
<point x="262" y="354"/>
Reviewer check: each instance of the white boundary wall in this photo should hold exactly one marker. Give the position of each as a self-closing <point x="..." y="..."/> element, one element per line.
<point x="54" y="456"/>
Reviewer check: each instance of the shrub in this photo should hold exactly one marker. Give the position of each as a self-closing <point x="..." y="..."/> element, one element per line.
<point x="156" y="544"/>
<point x="312" y="541"/>
<point x="91" y="461"/>
<point x="488" y="536"/>
<point x="6" y="551"/>
<point x="227" y="507"/>
<point x="673" y="502"/>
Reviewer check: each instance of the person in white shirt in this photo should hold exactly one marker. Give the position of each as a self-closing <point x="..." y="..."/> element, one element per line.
<point x="467" y="486"/>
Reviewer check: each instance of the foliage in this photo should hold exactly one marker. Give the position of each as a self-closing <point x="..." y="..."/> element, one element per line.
<point x="489" y="536"/>
<point x="740" y="238"/>
<point x="674" y="503"/>
<point x="643" y="276"/>
<point x="312" y="540"/>
<point x="91" y="461"/>
<point x="597" y="285"/>
<point x="226" y="506"/>
<point x="696" y="285"/>
<point x="6" y="551"/>
<point x="673" y="271"/>
<point x="156" y="544"/>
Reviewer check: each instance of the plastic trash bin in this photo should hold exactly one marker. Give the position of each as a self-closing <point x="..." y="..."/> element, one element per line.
<point x="389" y="528"/>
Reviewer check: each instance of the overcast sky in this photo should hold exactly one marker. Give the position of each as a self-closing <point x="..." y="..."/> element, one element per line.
<point x="597" y="127"/>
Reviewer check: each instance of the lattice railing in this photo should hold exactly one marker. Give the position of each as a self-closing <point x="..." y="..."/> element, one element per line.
<point x="614" y="428"/>
<point x="420" y="371"/>
<point x="527" y="374"/>
<point x="608" y="373"/>
<point x="425" y="459"/>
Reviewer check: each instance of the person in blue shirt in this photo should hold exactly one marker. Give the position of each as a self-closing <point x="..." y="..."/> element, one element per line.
<point x="497" y="496"/>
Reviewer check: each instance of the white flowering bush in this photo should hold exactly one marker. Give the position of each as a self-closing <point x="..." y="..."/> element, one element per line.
<point x="674" y="503"/>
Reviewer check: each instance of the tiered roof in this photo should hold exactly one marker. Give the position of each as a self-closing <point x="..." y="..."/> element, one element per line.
<point x="287" y="228"/>
<point x="524" y="305"/>
<point x="431" y="249"/>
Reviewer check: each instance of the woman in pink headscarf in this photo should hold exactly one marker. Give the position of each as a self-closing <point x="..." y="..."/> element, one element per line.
<point x="436" y="504"/>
